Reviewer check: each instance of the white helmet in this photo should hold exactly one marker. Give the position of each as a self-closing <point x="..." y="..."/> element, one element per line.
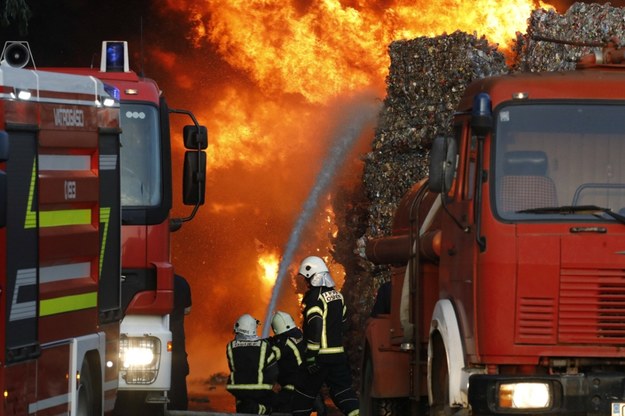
<point x="282" y="322"/>
<point x="314" y="269"/>
<point x="312" y="265"/>
<point x="246" y="325"/>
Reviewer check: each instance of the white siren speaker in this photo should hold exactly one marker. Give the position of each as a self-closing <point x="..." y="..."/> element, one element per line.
<point x="16" y="54"/>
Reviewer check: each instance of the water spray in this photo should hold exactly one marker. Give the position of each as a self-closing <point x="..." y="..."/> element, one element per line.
<point x="359" y="115"/>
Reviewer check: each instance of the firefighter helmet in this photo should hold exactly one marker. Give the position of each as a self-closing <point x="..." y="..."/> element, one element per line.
<point x="311" y="266"/>
<point x="282" y="322"/>
<point x="316" y="272"/>
<point x="246" y="325"/>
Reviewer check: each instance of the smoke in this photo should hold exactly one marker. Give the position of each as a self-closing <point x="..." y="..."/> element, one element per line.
<point x="360" y="115"/>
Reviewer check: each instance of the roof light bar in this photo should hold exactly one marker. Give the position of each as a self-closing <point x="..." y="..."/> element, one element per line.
<point x="114" y="57"/>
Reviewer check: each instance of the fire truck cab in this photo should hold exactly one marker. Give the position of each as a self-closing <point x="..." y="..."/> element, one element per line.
<point x="508" y="262"/>
<point x="146" y="200"/>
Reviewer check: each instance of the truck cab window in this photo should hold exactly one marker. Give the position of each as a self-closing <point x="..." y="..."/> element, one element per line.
<point x="549" y="157"/>
<point x="140" y="156"/>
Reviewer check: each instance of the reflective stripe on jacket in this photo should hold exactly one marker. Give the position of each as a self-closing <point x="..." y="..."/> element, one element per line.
<point x="324" y="320"/>
<point x="252" y="365"/>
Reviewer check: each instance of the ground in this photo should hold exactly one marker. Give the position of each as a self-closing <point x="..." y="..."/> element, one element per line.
<point x="216" y="399"/>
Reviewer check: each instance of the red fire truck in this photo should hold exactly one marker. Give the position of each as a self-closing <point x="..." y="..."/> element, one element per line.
<point x="146" y="201"/>
<point x="59" y="243"/>
<point x="508" y="262"/>
<point x="146" y="298"/>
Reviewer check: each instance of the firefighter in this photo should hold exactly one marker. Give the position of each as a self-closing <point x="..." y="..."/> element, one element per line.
<point x="288" y="342"/>
<point x="253" y="369"/>
<point x="325" y="358"/>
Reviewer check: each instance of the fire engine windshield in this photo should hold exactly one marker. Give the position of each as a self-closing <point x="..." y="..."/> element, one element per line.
<point x="140" y="156"/>
<point x="559" y="161"/>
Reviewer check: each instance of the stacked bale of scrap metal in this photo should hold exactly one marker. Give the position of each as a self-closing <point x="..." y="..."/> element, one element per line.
<point x="554" y="42"/>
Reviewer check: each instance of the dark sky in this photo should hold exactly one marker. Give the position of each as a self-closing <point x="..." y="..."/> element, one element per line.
<point x="69" y="32"/>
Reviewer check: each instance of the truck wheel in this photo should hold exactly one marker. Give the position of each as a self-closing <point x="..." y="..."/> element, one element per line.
<point x="86" y="405"/>
<point x="370" y="406"/>
<point x="440" y="379"/>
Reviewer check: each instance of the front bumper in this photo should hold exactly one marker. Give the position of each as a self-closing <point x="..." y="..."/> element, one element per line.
<point x="587" y="394"/>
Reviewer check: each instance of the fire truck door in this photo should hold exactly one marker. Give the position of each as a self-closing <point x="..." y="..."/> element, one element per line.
<point x="21" y="245"/>
<point x="109" y="289"/>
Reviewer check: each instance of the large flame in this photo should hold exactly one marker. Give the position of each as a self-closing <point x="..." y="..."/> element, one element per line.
<point x="269" y="78"/>
<point x="325" y="48"/>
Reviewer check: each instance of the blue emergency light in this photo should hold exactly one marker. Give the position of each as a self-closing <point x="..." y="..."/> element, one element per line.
<point x="114" y="56"/>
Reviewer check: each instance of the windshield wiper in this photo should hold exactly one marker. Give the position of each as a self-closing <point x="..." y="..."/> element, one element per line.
<point x="576" y="209"/>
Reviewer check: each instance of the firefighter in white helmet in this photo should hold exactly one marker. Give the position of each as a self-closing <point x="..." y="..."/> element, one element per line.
<point x="288" y="343"/>
<point x="325" y="358"/>
<point x="253" y="368"/>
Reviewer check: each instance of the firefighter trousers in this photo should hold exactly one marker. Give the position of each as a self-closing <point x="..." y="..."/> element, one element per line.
<point x="254" y="402"/>
<point x="337" y="376"/>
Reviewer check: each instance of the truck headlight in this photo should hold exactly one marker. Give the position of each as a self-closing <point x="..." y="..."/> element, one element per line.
<point x="525" y="395"/>
<point x="139" y="359"/>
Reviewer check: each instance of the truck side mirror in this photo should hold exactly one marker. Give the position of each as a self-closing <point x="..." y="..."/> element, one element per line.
<point x="442" y="164"/>
<point x="194" y="178"/>
<point x="195" y="137"/>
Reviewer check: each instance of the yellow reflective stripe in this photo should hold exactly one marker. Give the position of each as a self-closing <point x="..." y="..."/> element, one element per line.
<point x="261" y="361"/>
<point x="312" y="346"/>
<point x="64" y="217"/>
<point x="324" y="330"/>
<point x="293" y="347"/>
<point x="249" y="387"/>
<point x="277" y="352"/>
<point x="105" y="214"/>
<point x="31" y="215"/>
<point x="68" y="303"/>
<point x="332" y="350"/>
<point x="314" y="309"/>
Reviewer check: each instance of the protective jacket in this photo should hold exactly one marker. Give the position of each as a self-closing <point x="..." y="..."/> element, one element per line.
<point x="289" y="348"/>
<point x="252" y="365"/>
<point x="326" y="360"/>
<point x="324" y="323"/>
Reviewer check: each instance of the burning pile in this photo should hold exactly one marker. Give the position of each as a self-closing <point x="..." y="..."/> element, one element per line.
<point x="427" y="77"/>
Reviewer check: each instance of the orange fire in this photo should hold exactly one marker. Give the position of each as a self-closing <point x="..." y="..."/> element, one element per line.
<point x="268" y="264"/>
<point x="270" y="79"/>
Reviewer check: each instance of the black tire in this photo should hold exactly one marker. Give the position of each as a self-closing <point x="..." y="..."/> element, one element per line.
<point x="85" y="394"/>
<point x="370" y="406"/>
